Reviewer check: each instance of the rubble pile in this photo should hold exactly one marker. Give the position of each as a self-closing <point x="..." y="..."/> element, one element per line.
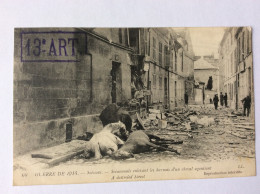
<point x="197" y="132"/>
<point x="177" y="120"/>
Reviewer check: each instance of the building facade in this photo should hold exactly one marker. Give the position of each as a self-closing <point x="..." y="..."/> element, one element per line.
<point x="227" y="65"/>
<point x="79" y="71"/>
<point x="244" y="63"/>
<point x="205" y="68"/>
<point x="170" y="58"/>
<point x="236" y="64"/>
<point x="77" y="75"/>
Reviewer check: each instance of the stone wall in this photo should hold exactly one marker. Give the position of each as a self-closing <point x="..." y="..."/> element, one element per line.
<point x="61" y="82"/>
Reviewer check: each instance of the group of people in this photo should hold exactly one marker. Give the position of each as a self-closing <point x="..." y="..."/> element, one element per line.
<point x="223" y="99"/>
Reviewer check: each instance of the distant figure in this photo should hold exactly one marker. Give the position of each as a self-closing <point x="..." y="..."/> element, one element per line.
<point x="225" y="99"/>
<point x="221" y="99"/>
<point x="210" y="101"/>
<point x="247" y="104"/>
<point x="186" y="98"/>
<point x="215" y="100"/>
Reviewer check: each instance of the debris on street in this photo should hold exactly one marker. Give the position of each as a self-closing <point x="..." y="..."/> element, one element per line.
<point x="197" y="132"/>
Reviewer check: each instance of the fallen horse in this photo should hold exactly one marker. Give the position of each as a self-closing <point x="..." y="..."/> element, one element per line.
<point x="105" y="142"/>
<point x="113" y="113"/>
<point x="137" y="142"/>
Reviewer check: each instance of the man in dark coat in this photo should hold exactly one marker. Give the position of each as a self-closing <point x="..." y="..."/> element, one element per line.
<point x="215" y="100"/>
<point x="225" y="99"/>
<point x="221" y="99"/>
<point x="247" y="104"/>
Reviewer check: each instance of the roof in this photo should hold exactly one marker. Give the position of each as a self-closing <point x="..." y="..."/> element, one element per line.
<point x="203" y="64"/>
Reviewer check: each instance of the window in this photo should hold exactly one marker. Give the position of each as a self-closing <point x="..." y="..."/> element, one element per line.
<point x="160" y="53"/>
<point x="245" y="43"/>
<point x="120" y="35"/>
<point x="175" y="61"/>
<point x="232" y="63"/>
<point x="232" y="92"/>
<point x="247" y="40"/>
<point x="154" y="48"/>
<point x="231" y="37"/>
<point x="239" y="49"/>
<point x="126" y="37"/>
<point x="160" y="83"/>
<point x="154" y="80"/>
<point x="235" y="61"/>
<point x="243" y="46"/>
<point x="172" y="60"/>
<point x="182" y="61"/>
<point x="145" y="41"/>
<point x="238" y="80"/>
<point x="250" y="41"/>
<point x="166" y="56"/>
<point x="154" y="76"/>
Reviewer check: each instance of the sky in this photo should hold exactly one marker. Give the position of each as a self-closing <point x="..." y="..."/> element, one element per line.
<point x="205" y="41"/>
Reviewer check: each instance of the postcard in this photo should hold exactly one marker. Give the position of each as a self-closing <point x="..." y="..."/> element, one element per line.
<point x="132" y="104"/>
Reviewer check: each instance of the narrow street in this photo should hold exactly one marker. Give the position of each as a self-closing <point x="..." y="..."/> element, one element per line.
<point x="230" y="137"/>
<point x="133" y="96"/>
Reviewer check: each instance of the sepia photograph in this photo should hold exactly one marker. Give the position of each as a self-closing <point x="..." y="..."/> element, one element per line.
<point x="132" y="104"/>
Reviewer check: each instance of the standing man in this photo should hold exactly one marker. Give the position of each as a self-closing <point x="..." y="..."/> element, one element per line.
<point x="221" y="99"/>
<point x="225" y="99"/>
<point x="215" y="100"/>
<point x="247" y="104"/>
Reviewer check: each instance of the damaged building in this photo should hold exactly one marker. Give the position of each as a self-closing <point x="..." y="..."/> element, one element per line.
<point x="166" y="59"/>
<point x="63" y="78"/>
